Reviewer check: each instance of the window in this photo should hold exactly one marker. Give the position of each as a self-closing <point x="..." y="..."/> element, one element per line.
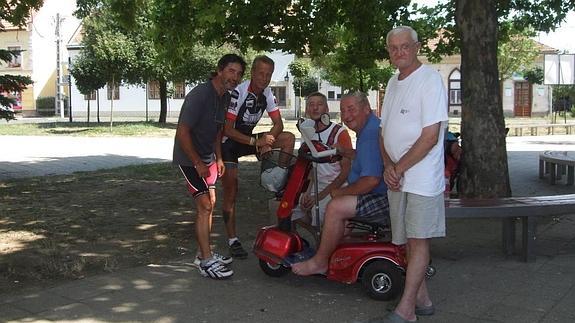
<point x="331" y="95"/>
<point x="339" y="96"/>
<point x="179" y="90"/>
<point x="280" y="95"/>
<point x="116" y="91"/>
<point x="15" y="61"/>
<point x="91" y="96"/>
<point x="153" y="90"/>
<point x="454" y="89"/>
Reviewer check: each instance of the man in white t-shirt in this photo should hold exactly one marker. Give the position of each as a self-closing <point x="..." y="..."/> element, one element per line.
<point x="413" y="122"/>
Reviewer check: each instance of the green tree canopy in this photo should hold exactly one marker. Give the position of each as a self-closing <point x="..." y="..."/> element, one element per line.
<point x="517" y="53"/>
<point x="146" y="49"/>
<point x="354" y="33"/>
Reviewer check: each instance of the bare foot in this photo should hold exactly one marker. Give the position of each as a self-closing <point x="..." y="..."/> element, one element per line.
<point x="310" y="267"/>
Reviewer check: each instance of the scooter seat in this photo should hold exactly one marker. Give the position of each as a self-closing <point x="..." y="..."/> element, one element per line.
<point x="374" y="227"/>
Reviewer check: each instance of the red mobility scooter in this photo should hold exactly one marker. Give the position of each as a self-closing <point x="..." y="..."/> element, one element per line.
<point x="366" y="254"/>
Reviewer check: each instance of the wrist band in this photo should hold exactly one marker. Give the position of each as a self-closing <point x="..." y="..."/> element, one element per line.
<point x="252" y="141"/>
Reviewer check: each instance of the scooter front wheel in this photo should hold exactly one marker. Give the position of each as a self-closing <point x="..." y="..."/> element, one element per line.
<point x="382" y="280"/>
<point x="272" y="270"/>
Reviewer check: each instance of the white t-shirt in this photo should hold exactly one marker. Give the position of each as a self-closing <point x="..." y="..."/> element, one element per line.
<point x="409" y="105"/>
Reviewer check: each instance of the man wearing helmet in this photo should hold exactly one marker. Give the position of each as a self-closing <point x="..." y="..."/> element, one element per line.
<point x="330" y="175"/>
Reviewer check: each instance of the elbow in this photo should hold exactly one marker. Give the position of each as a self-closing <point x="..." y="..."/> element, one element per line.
<point x="370" y="183"/>
<point x="181" y="131"/>
<point x="431" y="141"/>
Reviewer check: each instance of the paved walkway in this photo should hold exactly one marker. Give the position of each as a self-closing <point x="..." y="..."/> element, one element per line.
<point x="474" y="283"/>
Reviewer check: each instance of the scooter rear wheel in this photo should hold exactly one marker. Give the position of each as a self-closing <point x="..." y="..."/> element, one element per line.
<point x="273" y="270"/>
<point x="382" y="280"/>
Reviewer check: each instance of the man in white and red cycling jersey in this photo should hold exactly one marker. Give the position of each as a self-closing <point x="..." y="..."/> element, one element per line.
<point x="248" y="103"/>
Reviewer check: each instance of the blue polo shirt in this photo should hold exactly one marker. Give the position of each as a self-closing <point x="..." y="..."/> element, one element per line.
<point x="368" y="161"/>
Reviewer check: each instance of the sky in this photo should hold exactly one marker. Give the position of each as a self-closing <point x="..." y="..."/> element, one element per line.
<point x="563" y="38"/>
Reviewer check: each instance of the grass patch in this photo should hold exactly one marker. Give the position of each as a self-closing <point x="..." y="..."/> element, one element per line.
<point x="71" y="226"/>
<point x="149" y="129"/>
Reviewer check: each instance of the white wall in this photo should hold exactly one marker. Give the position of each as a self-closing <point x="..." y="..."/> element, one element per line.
<point x="132" y="100"/>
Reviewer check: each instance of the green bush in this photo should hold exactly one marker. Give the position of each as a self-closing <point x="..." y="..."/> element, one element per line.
<point x="573" y="112"/>
<point x="45" y="106"/>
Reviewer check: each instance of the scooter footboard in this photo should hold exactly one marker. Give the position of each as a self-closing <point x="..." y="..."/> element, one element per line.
<point x="274" y="245"/>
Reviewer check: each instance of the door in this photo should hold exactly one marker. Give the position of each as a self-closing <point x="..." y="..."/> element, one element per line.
<point x="522" y="104"/>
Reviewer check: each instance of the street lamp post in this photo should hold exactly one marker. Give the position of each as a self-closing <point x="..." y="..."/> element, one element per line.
<point x="286" y="78"/>
<point x="299" y="104"/>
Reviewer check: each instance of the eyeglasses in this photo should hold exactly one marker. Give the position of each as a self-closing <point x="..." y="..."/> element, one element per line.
<point x="401" y="48"/>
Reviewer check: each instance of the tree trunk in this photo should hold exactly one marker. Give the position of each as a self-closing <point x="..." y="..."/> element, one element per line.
<point x="88" y="114"/>
<point x="361" y="81"/>
<point x="98" y="106"/>
<point x="112" y="103"/>
<point x="163" y="101"/>
<point x="484" y="170"/>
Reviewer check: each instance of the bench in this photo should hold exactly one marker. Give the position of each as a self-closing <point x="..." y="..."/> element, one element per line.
<point x="555" y="163"/>
<point x="517" y="129"/>
<point x="527" y="209"/>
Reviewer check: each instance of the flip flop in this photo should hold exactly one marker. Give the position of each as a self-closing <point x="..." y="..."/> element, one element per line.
<point x="390" y="318"/>
<point x="424" y="310"/>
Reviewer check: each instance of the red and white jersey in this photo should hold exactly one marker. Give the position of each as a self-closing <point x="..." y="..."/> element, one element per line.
<point x="246" y="108"/>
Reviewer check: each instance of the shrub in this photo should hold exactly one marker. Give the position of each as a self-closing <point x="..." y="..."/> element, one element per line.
<point x="45" y="106"/>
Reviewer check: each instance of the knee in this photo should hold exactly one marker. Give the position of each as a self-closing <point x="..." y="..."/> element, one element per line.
<point x="287" y="139"/>
<point x="420" y="246"/>
<point x="205" y="207"/>
<point x="336" y="210"/>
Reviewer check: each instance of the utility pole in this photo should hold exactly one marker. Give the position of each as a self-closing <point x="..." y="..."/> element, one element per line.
<point x="59" y="102"/>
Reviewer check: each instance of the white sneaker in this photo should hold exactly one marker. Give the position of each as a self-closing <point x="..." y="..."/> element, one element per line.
<point x="215" y="270"/>
<point x="221" y="258"/>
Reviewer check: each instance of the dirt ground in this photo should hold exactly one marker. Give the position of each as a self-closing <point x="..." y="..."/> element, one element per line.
<point x="67" y="227"/>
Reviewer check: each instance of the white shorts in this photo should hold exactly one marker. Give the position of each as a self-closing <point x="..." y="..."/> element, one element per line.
<point x="415" y="216"/>
<point x="298" y="213"/>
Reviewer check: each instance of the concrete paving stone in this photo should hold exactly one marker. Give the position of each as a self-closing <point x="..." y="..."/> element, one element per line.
<point x="559" y="269"/>
<point x="474" y="303"/>
<point x="441" y="316"/>
<point x="117" y="302"/>
<point x="537" y="298"/>
<point x="566" y="306"/>
<point x="29" y="319"/>
<point x="41" y="301"/>
<point x="558" y="228"/>
<point x="556" y="318"/>
<point x="513" y="314"/>
<point x="78" y="290"/>
<point x="150" y="281"/>
<point x="108" y="283"/>
<point x="128" y="312"/>
<point x="76" y="312"/>
<point x="10" y="312"/>
<point x="565" y="258"/>
<point x="549" y="248"/>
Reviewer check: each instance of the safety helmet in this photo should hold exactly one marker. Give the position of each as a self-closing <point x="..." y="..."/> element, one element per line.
<point x="274" y="179"/>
